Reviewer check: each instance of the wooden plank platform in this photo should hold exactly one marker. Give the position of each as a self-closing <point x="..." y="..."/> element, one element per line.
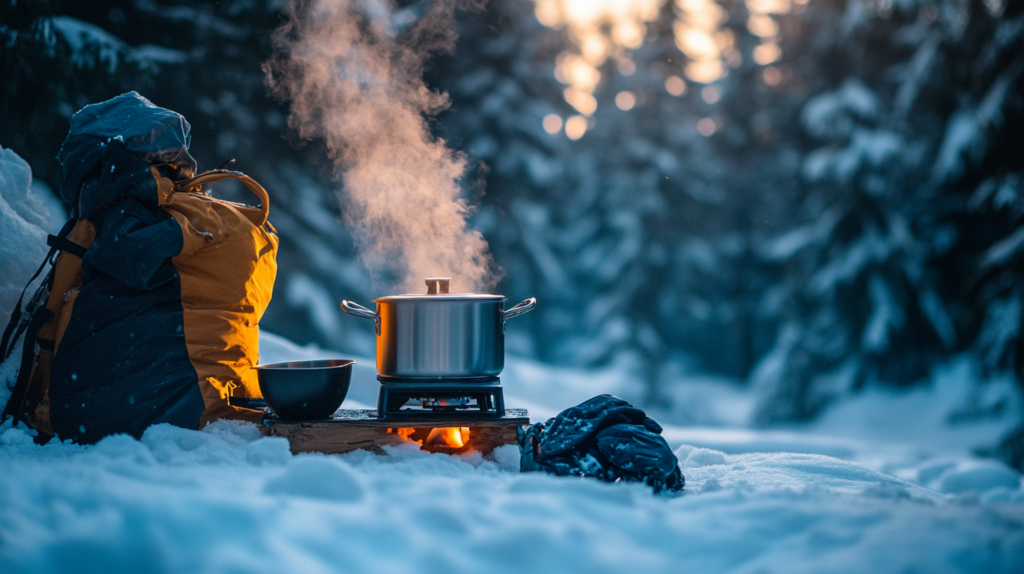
<point x="351" y="429"/>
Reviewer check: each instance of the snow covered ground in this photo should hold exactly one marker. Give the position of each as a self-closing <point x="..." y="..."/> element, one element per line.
<point x="226" y="499"/>
<point x="883" y="482"/>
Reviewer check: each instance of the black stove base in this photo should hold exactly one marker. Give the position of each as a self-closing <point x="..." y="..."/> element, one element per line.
<point x="476" y="399"/>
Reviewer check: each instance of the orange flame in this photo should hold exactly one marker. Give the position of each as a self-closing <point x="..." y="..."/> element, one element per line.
<point x="405" y="433"/>
<point x="441" y="437"/>
<point x="451" y="437"/>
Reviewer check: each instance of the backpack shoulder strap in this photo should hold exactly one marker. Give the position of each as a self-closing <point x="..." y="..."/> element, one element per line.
<point x="55" y="242"/>
<point x="38" y="315"/>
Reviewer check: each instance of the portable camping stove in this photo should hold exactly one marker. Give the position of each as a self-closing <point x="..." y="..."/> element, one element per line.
<point x="445" y="398"/>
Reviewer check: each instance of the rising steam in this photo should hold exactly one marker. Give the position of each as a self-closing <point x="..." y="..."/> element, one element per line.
<point x="354" y="78"/>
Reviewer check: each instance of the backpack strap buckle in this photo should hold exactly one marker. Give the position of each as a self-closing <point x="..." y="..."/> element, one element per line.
<point x="65" y="245"/>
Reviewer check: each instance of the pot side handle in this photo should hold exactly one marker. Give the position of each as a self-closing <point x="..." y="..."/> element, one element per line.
<point x="360" y="311"/>
<point x="524" y="307"/>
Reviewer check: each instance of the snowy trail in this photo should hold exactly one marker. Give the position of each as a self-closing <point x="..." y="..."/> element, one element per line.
<point x="226" y="500"/>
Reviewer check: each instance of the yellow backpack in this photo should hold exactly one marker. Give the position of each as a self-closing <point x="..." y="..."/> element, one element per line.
<point x="152" y="312"/>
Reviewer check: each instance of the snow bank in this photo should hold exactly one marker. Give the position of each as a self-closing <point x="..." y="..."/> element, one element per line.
<point x="23" y="216"/>
<point x="226" y="500"/>
<point x="22" y="219"/>
<point x="931" y="417"/>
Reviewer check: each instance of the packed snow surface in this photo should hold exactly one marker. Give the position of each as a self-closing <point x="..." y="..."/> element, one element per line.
<point x="226" y="499"/>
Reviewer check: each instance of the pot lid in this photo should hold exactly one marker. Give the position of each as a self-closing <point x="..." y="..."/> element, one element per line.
<point x="437" y="290"/>
<point x="442" y="297"/>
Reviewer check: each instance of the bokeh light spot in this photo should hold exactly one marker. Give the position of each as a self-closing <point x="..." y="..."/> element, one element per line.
<point x="772" y="76"/>
<point x="582" y="100"/>
<point x="767" y="53"/>
<point x="628" y="33"/>
<point x="599" y="29"/>
<point x="705" y="71"/>
<point x="575" y="127"/>
<point x="710" y="94"/>
<point x="706" y="127"/>
<point x="625" y="100"/>
<point x="578" y="72"/>
<point x="762" y="25"/>
<point x="552" y="123"/>
<point x="699" y="34"/>
<point x="548" y="13"/>
<point x="675" y="86"/>
<point x="768" y="6"/>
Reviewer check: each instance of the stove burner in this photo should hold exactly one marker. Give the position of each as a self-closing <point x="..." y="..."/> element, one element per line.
<point x="444" y="404"/>
<point x="477" y="398"/>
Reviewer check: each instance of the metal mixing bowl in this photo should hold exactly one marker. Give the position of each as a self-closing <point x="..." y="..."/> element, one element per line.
<point x="305" y="390"/>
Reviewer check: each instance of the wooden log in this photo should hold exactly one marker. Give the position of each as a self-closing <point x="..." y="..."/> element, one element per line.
<point x="350" y="430"/>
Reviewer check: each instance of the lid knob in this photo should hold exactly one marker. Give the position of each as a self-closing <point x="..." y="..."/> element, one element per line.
<point x="438" y="285"/>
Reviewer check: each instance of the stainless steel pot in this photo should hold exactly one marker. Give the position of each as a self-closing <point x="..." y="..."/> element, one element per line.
<point x="440" y="335"/>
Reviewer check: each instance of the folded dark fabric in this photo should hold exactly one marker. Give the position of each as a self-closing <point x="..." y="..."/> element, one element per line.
<point x="155" y="135"/>
<point x="605" y="438"/>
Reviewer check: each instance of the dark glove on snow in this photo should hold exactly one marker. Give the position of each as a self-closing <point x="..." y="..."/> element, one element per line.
<point x="606" y="438"/>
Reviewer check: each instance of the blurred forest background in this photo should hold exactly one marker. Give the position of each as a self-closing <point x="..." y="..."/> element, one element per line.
<point x="809" y="196"/>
